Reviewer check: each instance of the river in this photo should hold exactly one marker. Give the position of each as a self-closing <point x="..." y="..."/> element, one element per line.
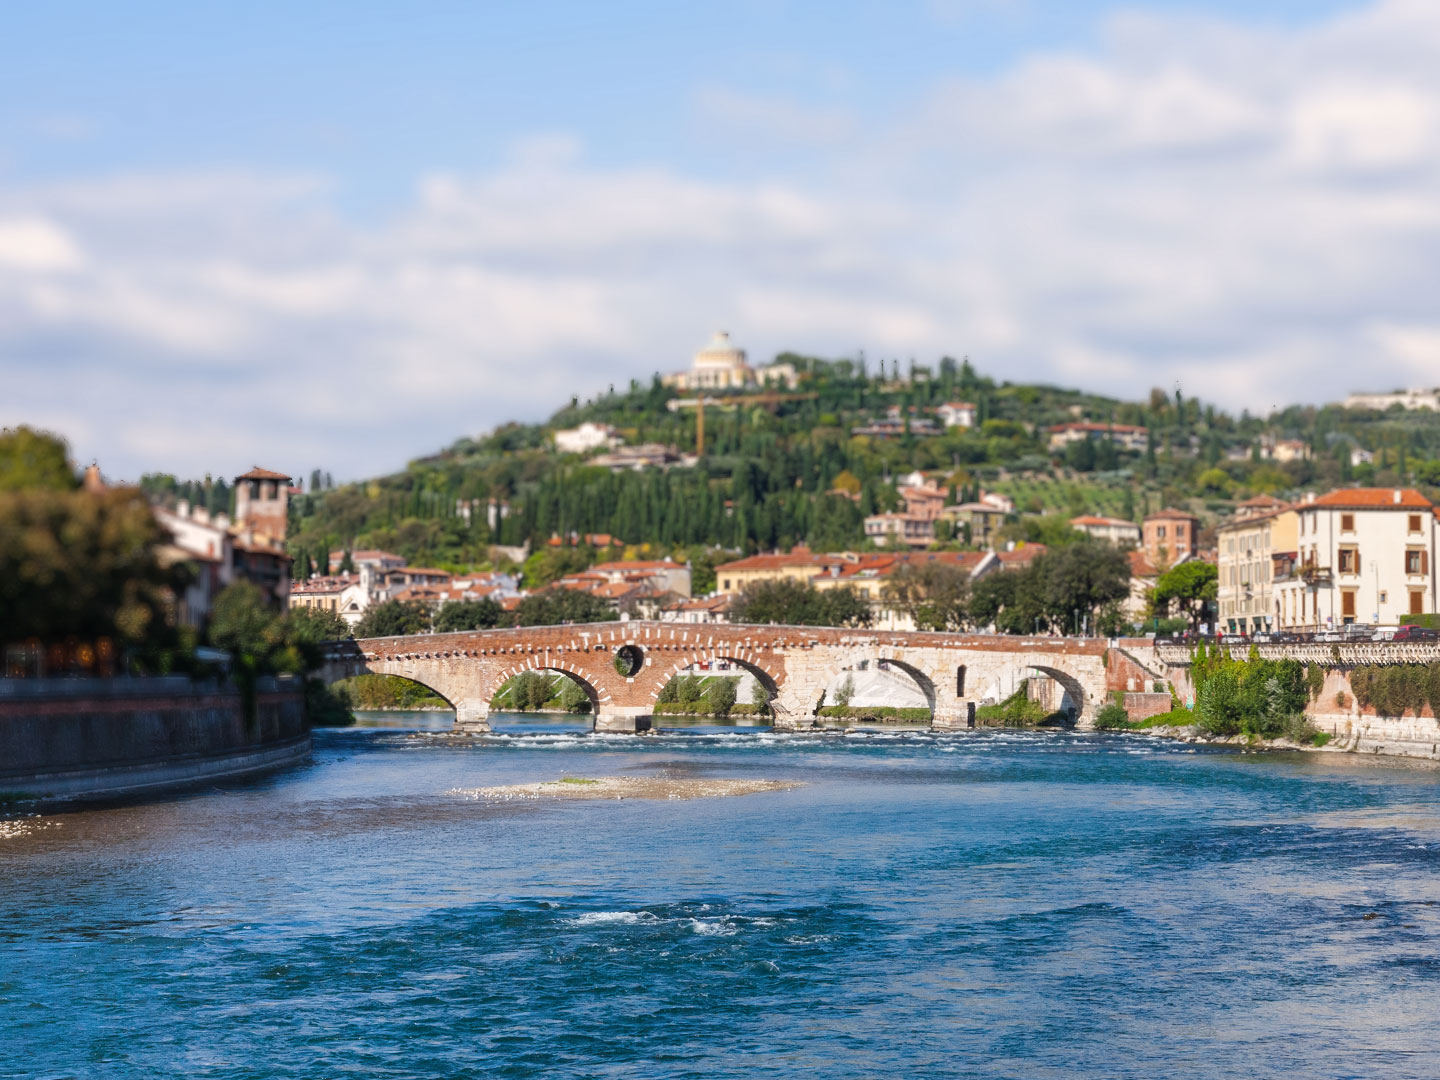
<point x="1001" y="904"/>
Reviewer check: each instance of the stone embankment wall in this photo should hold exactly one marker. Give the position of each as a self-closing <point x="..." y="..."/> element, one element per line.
<point x="68" y="739"/>
<point x="1361" y="730"/>
<point x="1350" y="726"/>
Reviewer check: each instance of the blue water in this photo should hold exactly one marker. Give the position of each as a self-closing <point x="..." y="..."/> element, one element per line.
<point x="992" y="905"/>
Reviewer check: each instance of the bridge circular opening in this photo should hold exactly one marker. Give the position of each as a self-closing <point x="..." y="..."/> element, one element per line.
<point x="629" y="659"/>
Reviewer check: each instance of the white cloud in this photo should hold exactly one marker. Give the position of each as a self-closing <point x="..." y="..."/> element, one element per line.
<point x="36" y="245"/>
<point x="1249" y="212"/>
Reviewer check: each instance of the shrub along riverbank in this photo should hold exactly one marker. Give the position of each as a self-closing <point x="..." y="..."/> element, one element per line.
<point x="1018" y="711"/>
<point x="1255" y="698"/>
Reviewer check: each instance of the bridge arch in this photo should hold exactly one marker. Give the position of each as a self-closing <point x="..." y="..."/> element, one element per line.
<point x="857" y="660"/>
<point x="330" y="674"/>
<point x="760" y="673"/>
<point x="1073" y="699"/>
<point x="596" y="696"/>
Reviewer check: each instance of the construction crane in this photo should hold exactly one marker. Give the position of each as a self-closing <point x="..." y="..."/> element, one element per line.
<point x="699" y="403"/>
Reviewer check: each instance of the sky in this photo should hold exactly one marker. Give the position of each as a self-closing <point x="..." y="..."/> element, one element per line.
<point x="342" y="235"/>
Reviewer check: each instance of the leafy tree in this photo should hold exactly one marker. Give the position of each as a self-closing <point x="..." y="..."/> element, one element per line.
<point x="32" y="460"/>
<point x="347" y="564"/>
<point x="1052" y="530"/>
<point x="573" y="698"/>
<point x="1215" y="482"/>
<point x="308" y="625"/>
<point x="1191" y="587"/>
<point x="530" y="691"/>
<point x="845" y="692"/>
<point x="1082" y="578"/>
<point x="79" y="564"/>
<point x="934" y="594"/>
<point x="394" y="618"/>
<point x="721" y="696"/>
<point x="482" y="614"/>
<point x="1013" y="601"/>
<point x="760" y="697"/>
<point x="799" y="603"/>
<point x="556" y="606"/>
<point x="549" y="565"/>
<point x="844" y="607"/>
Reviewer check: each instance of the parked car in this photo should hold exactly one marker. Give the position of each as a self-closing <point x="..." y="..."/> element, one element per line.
<point x="1415" y="633"/>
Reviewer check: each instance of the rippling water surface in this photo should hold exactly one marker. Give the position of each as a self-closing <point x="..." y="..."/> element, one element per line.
<point x="1000" y="905"/>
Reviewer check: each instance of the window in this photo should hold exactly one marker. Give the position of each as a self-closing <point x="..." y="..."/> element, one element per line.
<point x="1417" y="601"/>
<point x="960" y="681"/>
<point x="1160" y="531"/>
<point x="1415" y="561"/>
<point x="1347" y="523"/>
<point x="1414" y="523"/>
<point x="1384" y="597"/>
<point x="1349" y="560"/>
<point x="1347" y="604"/>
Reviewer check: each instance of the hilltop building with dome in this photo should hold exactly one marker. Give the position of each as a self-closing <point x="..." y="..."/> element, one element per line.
<point x="721" y="365"/>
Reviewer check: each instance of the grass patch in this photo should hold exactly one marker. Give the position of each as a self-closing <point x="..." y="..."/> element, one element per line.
<point x="704" y="708"/>
<point x="577" y="780"/>
<point x="1320" y="738"/>
<point x="1173" y="718"/>
<point x="875" y="712"/>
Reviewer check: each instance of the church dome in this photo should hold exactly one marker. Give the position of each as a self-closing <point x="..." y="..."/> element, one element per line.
<point x="720" y="352"/>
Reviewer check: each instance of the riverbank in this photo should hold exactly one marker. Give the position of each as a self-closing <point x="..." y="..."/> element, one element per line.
<point x="1369" y="737"/>
<point x="79" y="740"/>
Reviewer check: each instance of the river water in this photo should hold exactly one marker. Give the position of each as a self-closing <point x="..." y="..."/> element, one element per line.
<point x="991" y="905"/>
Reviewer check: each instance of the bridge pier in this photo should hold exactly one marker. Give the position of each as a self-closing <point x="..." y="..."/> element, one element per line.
<point x="472" y="719"/>
<point x="631" y="721"/>
<point x="952" y="719"/>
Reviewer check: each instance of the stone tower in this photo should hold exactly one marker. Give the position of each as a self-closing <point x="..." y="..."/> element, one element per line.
<point x="262" y="503"/>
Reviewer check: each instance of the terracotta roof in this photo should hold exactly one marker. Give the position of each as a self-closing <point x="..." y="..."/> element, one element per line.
<point x="624" y="566"/>
<point x="873" y="566"/>
<point x="258" y="473"/>
<point x="1021" y="556"/>
<point x="1141" y="566"/>
<point x="1171" y="514"/>
<point x="702" y="603"/>
<point x="1373" y="499"/>
<point x="1264" y="500"/>
<point x="778" y="561"/>
<point x="324" y="584"/>
<point x="1090" y="519"/>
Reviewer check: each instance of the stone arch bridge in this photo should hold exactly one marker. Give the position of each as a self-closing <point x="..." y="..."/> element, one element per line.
<point x="623" y="666"/>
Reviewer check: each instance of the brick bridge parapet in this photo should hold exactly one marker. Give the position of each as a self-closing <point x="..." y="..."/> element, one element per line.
<point x="794" y="663"/>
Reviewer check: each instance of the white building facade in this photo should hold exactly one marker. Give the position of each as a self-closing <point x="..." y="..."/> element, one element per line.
<point x="1363" y="555"/>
